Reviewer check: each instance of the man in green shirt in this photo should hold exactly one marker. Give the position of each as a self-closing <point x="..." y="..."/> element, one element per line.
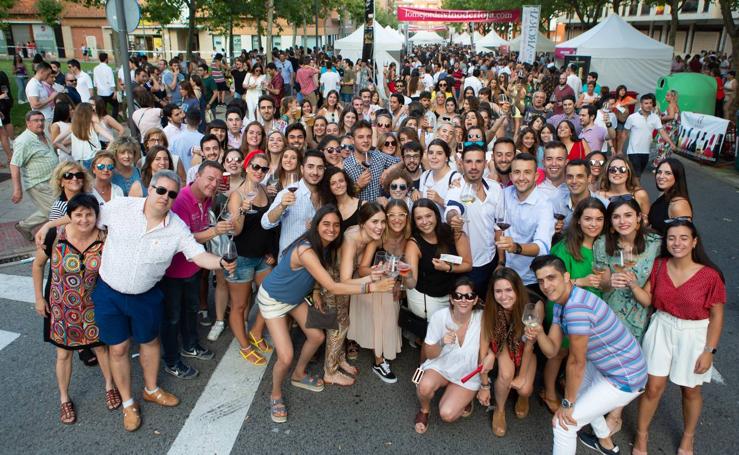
<point x="31" y="167"/>
<point x="347" y="82"/>
<point x="209" y="84"/>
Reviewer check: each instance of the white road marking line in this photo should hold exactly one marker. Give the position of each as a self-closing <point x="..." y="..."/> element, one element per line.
<point x="6" y="338"/>
<point x="216" y="420"/>
<point x="16" y="287"/>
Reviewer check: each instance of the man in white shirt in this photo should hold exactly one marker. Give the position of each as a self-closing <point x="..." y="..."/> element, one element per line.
<point x="477" y="218"/>
<point x="640" y="126"/>
<point x="330" y="80"/>
<point x="426" y="79"/>
<point x="573" y="80"/>
<point x="555" y="160"/>
<point x="38" y="97"/>
<point x="174" y="116"/>
<point x="105" y="83"/>
<point x="187" y="140"/>
<point x="473" y="81"/>
<point x="84" y="81"/>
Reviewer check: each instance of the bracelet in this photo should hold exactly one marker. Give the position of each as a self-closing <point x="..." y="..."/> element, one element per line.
<point x="363" y="288"/>
<point x="451" y="267"/>
<point x="485" y="386"/>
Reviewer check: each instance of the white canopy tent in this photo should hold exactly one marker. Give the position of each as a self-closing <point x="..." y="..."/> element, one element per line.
<point x="424" y="37"/>
<point x="399" y="35"/>
<point x="489" y="41"/>
<point x="463" y="39"/>
<point x="543" y="44"/>
<point x="621" y="54"/>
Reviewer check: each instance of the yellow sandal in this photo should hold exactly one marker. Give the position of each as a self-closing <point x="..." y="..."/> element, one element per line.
<point x="253" y="357"/>
<point x="254" y="342"/>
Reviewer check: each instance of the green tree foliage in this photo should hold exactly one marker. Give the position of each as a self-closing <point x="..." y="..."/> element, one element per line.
<point x="387" y="17"/>
<point x="50" y="11"/>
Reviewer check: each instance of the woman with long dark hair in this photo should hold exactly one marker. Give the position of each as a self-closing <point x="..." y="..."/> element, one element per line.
<point x="620" y="180"/>
<point x="577" y="148"/>
<point x="674" y="201"/>
<point x="337" y="189"/>
<point x="303" y="263"/>
<point x="688" y="292"/>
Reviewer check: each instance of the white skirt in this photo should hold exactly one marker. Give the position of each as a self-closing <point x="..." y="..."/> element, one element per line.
<point x="271" y="308"/>
<point x="672" y="346"/>
<point x="425" y="310"/>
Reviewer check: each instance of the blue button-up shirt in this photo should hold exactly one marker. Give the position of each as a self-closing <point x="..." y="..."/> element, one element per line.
<point x="294" y="218"/>
<point x="378" y="162"/>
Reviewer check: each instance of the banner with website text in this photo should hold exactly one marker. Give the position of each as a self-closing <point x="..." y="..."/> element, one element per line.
<point x="701" y="136"/>
<point x="413" y="14"/>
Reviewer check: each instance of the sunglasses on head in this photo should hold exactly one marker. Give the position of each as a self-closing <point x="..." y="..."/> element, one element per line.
<point x="621" y="198"/>
<point x="618" y="170"/>
<point x="678" y="219"/>
<point x="468" y="296"/>
<point x="256" y="168"/>
<point x="349" y="147"/>
<point x="106" y="167"/>
<point x="333" y="150"/>
<point x="398" y="186"/>
<point x="160" y="190"/>
<point x="73" y="175"/>
<point x="597" y="162"/>
<point x="389" y="143"/>
<point x="384" y="125"/>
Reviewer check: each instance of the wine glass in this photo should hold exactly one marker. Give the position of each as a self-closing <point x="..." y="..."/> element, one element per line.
<point x="228" y="251"/>
<point x="226" y="216"/>
<point x="467" y="196"/>
<point x="452" y="326"/>
<point x="251" y="193"/>
<point x="530" y="318"/>
<point x="599" y="268"/>
<point x="501" y="216"/>
<point x="391" y="266"/>
<point x="291" y="182"/>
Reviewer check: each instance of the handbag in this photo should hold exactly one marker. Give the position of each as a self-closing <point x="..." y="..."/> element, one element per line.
<point x="317" y="319"/>
<point x="411" y="322"/>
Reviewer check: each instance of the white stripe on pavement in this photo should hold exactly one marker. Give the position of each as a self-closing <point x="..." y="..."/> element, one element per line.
<point x="216" y="419"/>
<point x="6" y="338"/>
<point x="16" y="287"/>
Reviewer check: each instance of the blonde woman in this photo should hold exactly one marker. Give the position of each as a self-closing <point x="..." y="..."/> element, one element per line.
<point x="68" y="179"/>
<point x="127" y="152"/>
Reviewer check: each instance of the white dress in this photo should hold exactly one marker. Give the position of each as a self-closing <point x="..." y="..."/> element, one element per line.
<point x="85" y="150"/>
<point x="253" y="94"/>
<point x="455" y="361"/>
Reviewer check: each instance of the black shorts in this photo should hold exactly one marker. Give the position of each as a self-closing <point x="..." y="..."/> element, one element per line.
<point x="222" y="86"/>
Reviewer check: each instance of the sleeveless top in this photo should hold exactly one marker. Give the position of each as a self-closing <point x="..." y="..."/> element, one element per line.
<point x="577" y="152"/>
<point x="430" y="281"/>
<point x="658" y="213"/>
<point x="254" y="241"/>
<point x="352" y="220"/>
<point x="126" y="183"/>
<point x="287" y="285"/>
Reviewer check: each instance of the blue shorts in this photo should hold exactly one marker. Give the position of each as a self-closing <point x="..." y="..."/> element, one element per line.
<point x="122" y="316"/>
<point x="246" y="268"/>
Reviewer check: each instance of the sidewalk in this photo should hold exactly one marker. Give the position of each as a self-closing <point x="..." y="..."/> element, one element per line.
<point x="12" y="243"/>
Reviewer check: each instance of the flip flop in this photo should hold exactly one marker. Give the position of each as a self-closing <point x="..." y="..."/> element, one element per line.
<point x="308" y="382"/>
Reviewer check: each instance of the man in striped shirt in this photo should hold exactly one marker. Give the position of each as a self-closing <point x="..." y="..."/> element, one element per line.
<point x="605" y="369"/>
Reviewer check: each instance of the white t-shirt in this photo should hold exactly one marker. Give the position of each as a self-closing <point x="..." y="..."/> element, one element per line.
<point x="428" y="82"/>
<point x="455" y="361"/>
<point x="330" y="81"/>
<point x="84" y="86"/>
<point x="640" y="132"/>
<point x="37" y="89"/>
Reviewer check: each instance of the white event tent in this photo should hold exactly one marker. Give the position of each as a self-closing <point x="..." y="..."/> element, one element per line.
<point x="425" y="37"/>
<point x="489" y="41"/>
<point x="543" y="44"/>
<point x="621" y="54"/>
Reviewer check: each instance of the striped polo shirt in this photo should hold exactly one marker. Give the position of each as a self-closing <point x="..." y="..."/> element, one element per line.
<point x="611" y="347"/>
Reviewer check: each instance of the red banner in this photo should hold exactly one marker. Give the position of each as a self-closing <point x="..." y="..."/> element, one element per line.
<point x="413" y="14"/>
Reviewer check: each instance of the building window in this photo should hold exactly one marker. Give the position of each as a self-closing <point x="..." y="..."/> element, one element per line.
<point x="706" y="5"/>
<point x="690" y="6"/>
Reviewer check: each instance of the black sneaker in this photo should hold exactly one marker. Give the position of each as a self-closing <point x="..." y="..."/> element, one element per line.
<point x="383" y="372"/>
<point x="182" y="371"/>
<point x="198" y="352"/>
<point x="205" y="319"/>
<point x="591" y="441"/>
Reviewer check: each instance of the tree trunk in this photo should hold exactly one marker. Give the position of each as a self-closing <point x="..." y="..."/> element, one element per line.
<point x="305" y="33"/>
<point x="259" y="36"/>
<point x="295" y="33"/>
<point x="674" y="8"/>
<point x="270" y="18"/>
<point x="616" y="6"/>
<point x="192" y="6"/>
<point x="230" y="39"/>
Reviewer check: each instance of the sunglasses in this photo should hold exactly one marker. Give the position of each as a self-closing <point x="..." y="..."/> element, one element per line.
<point x="160" y="190"/>
<point x="398" y="186"/>
<point x="384" y="125"/>
<point x="618" y="170"/>
<point x="621" y="198"/>
<point x="333" y="150"/>
<point x="233" y="159"/>
<point x="468" y="296"/>
<point x="390" y="144"/>
<point x="597" y="162"/>
<point x="72" y="81"/>
<point x="257" y="168"/>
<point x="105" y="167"/>
<point x="471" y="143"/>
<point x="349" y="147"/>
<point x="73" y="175"/>
<point x="442" y="85"/>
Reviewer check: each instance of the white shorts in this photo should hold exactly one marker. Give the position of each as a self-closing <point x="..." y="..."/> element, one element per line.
<point x="271" y="308"/>
<point x="672" y="346"/>
<point x="432" y="304"/>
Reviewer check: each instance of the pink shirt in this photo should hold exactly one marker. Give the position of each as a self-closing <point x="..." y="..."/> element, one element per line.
<point x="195" y="215"/>
<point x="304" y="77"/>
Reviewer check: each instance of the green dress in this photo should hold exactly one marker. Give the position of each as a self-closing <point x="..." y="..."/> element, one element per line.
<point x="622" y="301"/>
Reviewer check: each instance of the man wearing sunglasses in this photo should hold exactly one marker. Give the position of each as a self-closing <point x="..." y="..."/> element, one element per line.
<point x="181" y="282"/>
<point x="477" y="219"/>
<point x="143" y="237"/>
<point x="31" y="166"/>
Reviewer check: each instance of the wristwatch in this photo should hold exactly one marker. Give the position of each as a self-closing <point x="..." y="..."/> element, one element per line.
<point x="710" y="349"/>
<point x="567" y="404"/>
<point x="220" y="262"/>
<point x="517" y="248"/>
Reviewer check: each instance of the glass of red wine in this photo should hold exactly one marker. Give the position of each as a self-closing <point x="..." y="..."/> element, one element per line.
<point x="366" y="162"/>
<point x="228" y="251"/>
<point x="501" y="216"/>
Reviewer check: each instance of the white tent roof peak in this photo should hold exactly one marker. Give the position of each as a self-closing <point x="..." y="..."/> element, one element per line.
<point x="613" y="35"/>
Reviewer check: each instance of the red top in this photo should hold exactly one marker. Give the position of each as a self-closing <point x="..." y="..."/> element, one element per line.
<point x="577" y="152"/>
<point x="693" y="299"/>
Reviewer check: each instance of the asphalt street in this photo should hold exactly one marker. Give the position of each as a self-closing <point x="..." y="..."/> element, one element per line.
<point x="226" y="408"/>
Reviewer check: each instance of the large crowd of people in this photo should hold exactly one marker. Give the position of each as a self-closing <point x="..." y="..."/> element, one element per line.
<point x="482" y="216"/>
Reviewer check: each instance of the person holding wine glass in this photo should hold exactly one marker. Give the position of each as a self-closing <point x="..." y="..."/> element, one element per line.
<point x="304" y="263"/>
<point x="256" y="248"/>
<point x="366" y="165"/>
<point x="439" y="177"/>
<point x="473" y="207"/>
<point x="452" y="347"/>
<point x="508" y="309"/>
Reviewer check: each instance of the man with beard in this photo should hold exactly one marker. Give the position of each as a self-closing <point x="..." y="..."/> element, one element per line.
<point x="503" y="152"/>
<point x="266" y="108"/>
<point x="411" y="154"/>
<point x="295" y="134"/>
<point x="561" y="91"/>
<point x="568" y="113"/>
<point x="478" y="218"/>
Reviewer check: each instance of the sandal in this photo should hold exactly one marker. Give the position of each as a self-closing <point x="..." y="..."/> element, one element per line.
<point x="253" y="357"/>
<point x="113" y="399"/>
<point x="348" y="372"/>
<point x="88" y="357"/>
<point x="422" y="421"/>
<point x="552" y="405"/>
<point x="68" y="415"/>
<point x="308" y="382"/>
<point x="278" y="410"/>
<point x="257" y="344"/>
<point x="342" y="377"/>
<point x="352" y="351"/>
<point x="468" y="410"/>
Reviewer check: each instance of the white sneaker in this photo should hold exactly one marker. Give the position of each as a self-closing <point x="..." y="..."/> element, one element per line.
<point x="216" y="330"/>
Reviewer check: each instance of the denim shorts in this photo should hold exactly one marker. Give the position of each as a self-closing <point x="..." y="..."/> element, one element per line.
<point x="246" y="268"/>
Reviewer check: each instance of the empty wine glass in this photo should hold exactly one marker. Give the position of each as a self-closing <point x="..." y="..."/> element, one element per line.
<point x="226" y="216"/>
<point x="467" y="196"/>
<point x="251" y="193"/>
<point x="530" y="318"/>
<point x="391" y="266"/>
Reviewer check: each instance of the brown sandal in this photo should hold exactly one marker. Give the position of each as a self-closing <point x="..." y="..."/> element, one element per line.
<point x="422" y="418"/>
<point x="113" y="399"/>
<point x="68" y="415"/>
<point x="552" y="405"/>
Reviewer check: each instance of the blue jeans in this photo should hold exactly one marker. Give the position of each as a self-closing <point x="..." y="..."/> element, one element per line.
<point x="346" y="97"/>
<point x="180" y="316"/>
<point x="481" y="277"/>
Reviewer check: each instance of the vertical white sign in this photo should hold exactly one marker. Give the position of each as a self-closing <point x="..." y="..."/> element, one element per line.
<point x="529" y="33"/>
